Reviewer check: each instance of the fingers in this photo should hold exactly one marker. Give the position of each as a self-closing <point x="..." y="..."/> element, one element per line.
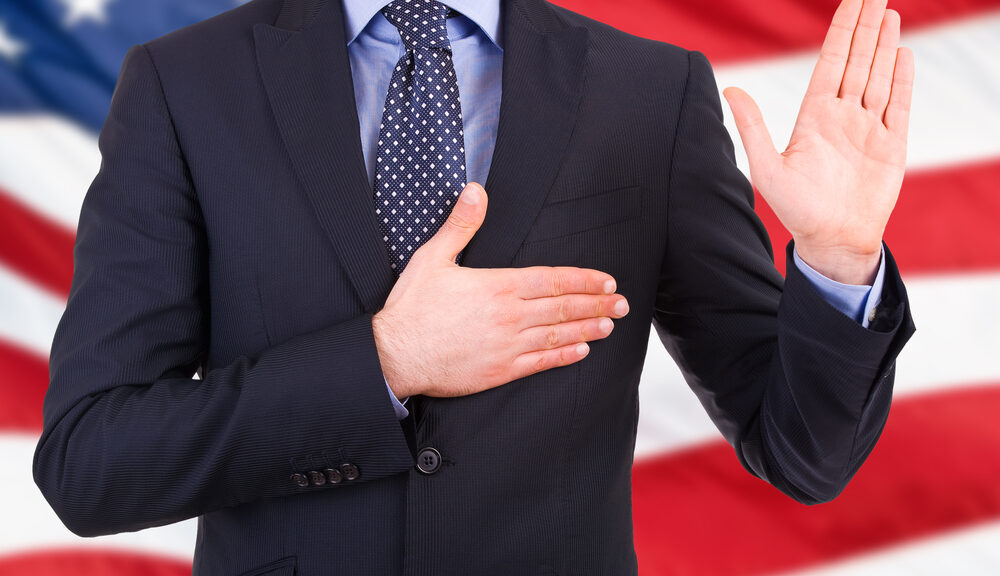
<point x="829" y="71"/>
<point x="541" y="338"/>
<point x="756" y="139"/>
<point x="569" y="307"/>
<point x="546" y="281"/>
<point x="532" y="362"/>
<point x="575" y="319"/>
<point x="880" y="80"/>
<point x="859" y="63"/>
<point x="462" y="224"/>
<point x="897" y="114"/>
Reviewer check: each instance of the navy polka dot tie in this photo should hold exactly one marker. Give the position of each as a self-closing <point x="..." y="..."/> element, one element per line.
<point x="420" y="166"/>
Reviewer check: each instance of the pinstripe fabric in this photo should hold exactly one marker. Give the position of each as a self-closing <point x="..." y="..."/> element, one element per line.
<point x="230" y="232"/>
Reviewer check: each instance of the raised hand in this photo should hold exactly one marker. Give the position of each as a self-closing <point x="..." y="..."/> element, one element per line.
<point x="836" y="183"/>
<point x="446" y="330"/>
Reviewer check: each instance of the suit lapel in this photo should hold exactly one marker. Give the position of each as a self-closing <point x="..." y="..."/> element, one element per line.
<point x="543" y="71"/>
<point x="306" y="72"/>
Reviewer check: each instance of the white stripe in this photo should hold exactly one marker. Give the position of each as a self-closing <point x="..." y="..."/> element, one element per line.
<point x="969" y="552"/>
<point x="37" y="527"/>
<point x="958" y="333"/>
<point x="955" y="345"/>
<point x="29" y="314"/>
<point x="47" y="163"/>
<point x="955" y="116"/>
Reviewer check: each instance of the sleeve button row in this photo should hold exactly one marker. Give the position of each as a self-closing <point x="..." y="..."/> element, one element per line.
<point x="328" y="476"/>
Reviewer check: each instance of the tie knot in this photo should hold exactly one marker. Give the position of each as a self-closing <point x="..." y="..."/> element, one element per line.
<point x="421" y="23"/>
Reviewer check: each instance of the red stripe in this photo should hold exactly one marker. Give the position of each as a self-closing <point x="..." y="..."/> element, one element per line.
<point x="945" y="221"/>
<point x="736" y="30"/>
<point x="91" y="563"/>
<point x="34" y="246"/>
<point x="25" y="378"/>
<point x="935" y="468"/>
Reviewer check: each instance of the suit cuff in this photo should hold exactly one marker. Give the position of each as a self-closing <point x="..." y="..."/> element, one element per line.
<point x="397" y="406"/>
<point x="857" y="302"/>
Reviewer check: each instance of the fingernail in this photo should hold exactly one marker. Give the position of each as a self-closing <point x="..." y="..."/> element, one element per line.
<point x="471" y="195"/>
<point x="621" y="307"/>
<point x="606" y="325"/>
<point x="609" y="286"/>
<point x="582" y="348"/>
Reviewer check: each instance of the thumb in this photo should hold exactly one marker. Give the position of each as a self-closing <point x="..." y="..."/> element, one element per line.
<point x="466" y="217"/>
<point x="753" y="132"/>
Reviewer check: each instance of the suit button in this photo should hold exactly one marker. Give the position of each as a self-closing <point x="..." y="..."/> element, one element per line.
<point x="300" y="480"/>
<point x="350" y="471"/>
<point x="333" y="476"/>
<point x="317" y="478"/>
<point x="428" y="460"/>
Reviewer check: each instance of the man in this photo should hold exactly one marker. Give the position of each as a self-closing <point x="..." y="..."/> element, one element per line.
<point x="234" y="231"/>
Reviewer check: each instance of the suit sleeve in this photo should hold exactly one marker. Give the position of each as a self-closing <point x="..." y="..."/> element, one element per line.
<point x="130" y="438"/>
<point x="800" y="390"/>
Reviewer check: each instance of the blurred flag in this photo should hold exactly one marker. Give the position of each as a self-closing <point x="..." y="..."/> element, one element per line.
<point x="927" y="501"/>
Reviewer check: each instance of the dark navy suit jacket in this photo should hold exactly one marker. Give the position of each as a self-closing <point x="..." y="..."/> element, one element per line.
<point x="230" y="232"/>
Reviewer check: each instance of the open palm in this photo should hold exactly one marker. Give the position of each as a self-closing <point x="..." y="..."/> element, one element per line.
<point x="836" y="183"/>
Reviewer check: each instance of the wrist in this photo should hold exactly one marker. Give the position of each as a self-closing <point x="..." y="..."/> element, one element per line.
<point x="387" y="354"/>
<point x="845" y="265"/>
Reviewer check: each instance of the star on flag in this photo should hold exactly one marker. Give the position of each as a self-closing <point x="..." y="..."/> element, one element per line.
<point x="78" y="11"/>
<point x="10" y="48"/>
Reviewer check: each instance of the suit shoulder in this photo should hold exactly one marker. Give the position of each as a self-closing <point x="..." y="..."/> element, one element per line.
<point x="211" y="36"/>
<point x="636" y="68"/>
<point x="608" y="39"/>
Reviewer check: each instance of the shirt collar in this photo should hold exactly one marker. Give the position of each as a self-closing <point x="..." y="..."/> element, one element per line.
<point x="484" y="13"/>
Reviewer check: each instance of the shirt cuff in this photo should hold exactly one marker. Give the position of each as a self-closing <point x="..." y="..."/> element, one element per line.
<point x="857" y="302"/>
<point x="397" y="406"/>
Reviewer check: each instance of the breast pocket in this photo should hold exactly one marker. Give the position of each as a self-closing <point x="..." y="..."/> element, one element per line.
<point x="575" y="215"/>
<point x="283" y="567"/>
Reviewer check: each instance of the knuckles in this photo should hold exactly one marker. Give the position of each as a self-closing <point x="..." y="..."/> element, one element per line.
<point x="542" y="363"/>
<point x="461" y="222"/>
<point x="496" y="373"/>
<point x="564" y="310"/>
<point x="552" y="337"/>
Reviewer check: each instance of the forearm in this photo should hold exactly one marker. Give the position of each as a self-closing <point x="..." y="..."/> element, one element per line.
<point x="798" y="388"/>
<point x="828" y="392"/>
<point x="150" y="453"/>
<point x="129" y="438"/>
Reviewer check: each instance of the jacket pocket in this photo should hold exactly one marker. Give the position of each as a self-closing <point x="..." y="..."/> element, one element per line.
<point x="575" y="215"/>
<point x="282" y="567"/>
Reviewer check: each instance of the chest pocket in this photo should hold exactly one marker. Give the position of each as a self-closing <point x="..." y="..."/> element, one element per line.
<point x="283" y="567"/>
<point x="570" y="216"/>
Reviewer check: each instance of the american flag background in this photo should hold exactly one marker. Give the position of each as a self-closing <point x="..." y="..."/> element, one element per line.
<point x="927" y="502"/>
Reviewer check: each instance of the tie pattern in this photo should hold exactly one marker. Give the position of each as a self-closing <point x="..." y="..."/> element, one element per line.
<point x="420" y="162"/>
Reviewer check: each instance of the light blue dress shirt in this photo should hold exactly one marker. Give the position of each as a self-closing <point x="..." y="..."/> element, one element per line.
<point x="374" y="47"/>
